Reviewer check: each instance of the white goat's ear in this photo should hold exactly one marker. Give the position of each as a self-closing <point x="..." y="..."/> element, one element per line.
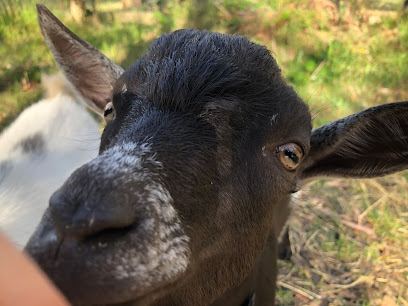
<point x="370" y="143"/>
<point x="91" y="73"/>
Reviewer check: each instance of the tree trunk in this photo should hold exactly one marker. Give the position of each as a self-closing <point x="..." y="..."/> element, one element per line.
<point x="77" y="9"/>
<point x="202" y="14"/>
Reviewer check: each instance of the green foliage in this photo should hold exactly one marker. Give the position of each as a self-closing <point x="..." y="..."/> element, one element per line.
<point x="327" y="67"/>
<point x="285" y="296"/>
<point x="202" y="14"/>
<point x="25" y="57"/>
<point x="19" y="36"/>
<point x="165" y="21"/>
<point x="14" y="101"/>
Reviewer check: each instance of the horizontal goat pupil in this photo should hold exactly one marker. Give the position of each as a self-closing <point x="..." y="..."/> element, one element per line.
<point x="108" y="111"/>
<point x="292" y="156"/>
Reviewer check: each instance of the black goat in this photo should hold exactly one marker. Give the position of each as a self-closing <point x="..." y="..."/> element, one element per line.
<point x="205" y="142"/>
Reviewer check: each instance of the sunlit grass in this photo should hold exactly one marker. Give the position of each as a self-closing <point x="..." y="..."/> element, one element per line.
<point x="349" y="238"/>
<point x="353" y="235"/>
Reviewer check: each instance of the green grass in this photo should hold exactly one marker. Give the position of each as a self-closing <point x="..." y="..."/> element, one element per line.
<point x="367" y="267"/>
<point x="340" y="60"/>
<point x="25" y="57"/>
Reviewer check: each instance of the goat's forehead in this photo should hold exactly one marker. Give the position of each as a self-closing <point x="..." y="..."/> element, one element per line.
<point x="277" y="102"/>
<point x="192" y="72"/>
<point x="182" y="70"/>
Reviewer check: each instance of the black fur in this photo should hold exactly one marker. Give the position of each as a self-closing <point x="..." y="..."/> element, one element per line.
<point x="34" y="144"/>
<point x="205" y="102"/>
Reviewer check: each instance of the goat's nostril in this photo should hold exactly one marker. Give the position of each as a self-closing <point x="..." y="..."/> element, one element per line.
<point x="98" y="224"/>
<point x="105" y="236"/>
<point x="79" y="220"/>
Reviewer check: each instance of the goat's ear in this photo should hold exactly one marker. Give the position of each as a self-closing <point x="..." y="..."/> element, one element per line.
<point x="370" y="143"/>
<point x="90" y="72"/>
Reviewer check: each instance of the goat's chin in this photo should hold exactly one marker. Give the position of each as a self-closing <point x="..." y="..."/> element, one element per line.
<point x="121" y="269"/>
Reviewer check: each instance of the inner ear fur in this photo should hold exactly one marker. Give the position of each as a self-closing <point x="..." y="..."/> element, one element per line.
<point x="370" y="143"/>
<point x="90" y="72"/>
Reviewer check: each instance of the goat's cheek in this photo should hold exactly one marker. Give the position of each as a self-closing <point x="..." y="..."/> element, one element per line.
<point x="281" y="182"/>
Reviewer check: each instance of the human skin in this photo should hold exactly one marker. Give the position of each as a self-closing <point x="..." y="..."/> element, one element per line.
<point x="22" y="282"/>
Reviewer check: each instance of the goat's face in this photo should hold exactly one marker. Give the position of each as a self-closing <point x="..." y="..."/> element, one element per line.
<point x="205" y="140"/>
<point x="187" y="176"/>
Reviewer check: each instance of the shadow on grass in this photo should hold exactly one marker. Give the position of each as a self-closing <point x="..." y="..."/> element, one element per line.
<point x="8" y="77"/>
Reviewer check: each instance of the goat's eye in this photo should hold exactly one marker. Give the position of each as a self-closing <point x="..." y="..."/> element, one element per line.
<point x="109" y="112"/>
<point x="290" y="155"/>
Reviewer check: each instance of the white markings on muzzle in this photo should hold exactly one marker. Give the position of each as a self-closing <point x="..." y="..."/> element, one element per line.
<point x="164" y="253"/>
<point x="123" y="160"/>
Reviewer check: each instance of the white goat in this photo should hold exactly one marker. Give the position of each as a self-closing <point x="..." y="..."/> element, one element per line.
<point x="37" y="152"/>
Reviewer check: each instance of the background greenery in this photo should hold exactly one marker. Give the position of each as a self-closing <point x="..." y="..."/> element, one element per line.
<point x="350" y="238"/>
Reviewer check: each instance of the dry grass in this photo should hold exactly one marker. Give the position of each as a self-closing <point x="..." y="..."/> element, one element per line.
<point x="349" y="243"/>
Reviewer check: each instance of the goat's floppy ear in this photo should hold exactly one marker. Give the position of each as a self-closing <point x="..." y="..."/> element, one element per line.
<point x="370" y="143"/>
<point x="90" y="72"/>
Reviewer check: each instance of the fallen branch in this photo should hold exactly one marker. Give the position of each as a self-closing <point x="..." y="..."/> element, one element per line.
<point x="369" y="208"/>
<point x="361" y="279"/>
<point x="306" y="293"/>
<point x="370" y="232"/>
